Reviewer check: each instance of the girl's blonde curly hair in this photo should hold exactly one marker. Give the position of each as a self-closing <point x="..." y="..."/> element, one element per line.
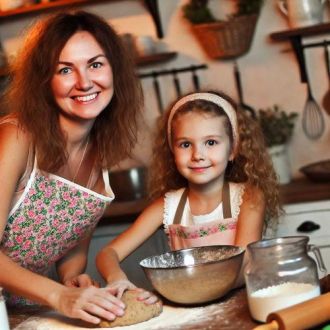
<point x="251" y="166"/>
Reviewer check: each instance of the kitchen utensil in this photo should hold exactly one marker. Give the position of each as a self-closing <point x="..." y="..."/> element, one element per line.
<point x="196" y="275"/>
<point x="157" y="92"/>
<point x="280" y="268"/>
<point x="312" y="119"/>
<point x="176" y="82"/>
<point x="319" y="171"/>
<point x="129" y="184"/>
<point x="241" y="104"/>
<point x="326" y="97"/>
<point x="302" y="316"/>
<point x="195" y="79"/>
<point x="302" y="12"/>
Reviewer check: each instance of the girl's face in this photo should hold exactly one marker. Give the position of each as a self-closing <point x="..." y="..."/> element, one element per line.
<point x="201" y="148"/>
<point x="83" y="82"/>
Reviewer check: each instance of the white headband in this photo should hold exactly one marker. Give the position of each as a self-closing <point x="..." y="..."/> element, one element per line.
<point x="218" y="100"/>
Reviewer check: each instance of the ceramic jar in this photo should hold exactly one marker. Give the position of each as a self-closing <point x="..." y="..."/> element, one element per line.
<point x="302" y="12"/>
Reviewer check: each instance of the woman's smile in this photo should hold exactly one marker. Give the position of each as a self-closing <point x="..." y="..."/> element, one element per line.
<point x="83" y="79"/>
<point x="85" y="98"/>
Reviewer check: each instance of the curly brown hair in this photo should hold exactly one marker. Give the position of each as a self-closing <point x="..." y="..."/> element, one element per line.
<point x="251" y="166"/>
<point x="30" y="97"/>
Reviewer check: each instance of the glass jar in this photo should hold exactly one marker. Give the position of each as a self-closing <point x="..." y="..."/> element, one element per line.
<point x="3" y="313"/>
<point x="280" y="273"/>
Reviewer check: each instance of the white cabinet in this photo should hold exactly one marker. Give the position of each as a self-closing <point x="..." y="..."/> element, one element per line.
<point x="156" y="244"/>
<point x="317" y="212"/>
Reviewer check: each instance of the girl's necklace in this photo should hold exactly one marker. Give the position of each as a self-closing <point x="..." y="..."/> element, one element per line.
<point x="81" y="160"/>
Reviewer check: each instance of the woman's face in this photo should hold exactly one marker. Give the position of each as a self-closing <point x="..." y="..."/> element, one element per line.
<point x="82" y="84"/>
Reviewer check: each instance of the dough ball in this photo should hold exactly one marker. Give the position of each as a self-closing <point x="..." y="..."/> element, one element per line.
<point x="136" y="311"/>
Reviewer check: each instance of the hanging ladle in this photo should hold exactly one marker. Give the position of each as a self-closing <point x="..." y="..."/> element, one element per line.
<point x="157" y="91"/>
<point x="326" y="97"/>
<point x="195" y="79"/>
<point x="241" y="104"/>
<point x="176" y="82"/>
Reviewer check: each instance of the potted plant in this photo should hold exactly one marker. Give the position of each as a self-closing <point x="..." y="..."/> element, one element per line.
<point x="277" y="127"/>
<point x="223" y="38"/>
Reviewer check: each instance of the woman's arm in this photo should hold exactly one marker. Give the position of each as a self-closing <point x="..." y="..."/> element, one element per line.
<point x="71" y="267"/>
<point x="250" y="223"/>
<point x="87" y="304"/>
<point x="109" y="258"/>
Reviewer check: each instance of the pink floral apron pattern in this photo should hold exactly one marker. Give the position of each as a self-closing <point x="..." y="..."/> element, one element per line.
<point x="221" y="231"/>
<point x="52" y="218"/>
<point x="191" y="232"/>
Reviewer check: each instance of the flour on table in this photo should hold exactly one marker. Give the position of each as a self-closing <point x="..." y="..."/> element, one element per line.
<point x="170" y="317"/>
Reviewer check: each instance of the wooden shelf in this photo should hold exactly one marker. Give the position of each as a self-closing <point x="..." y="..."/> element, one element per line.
<point x="151" y="5"/>
<point x="295" y="37"/>
<point x="304" y="190"/>
<point x="305" y="31"/>
<point x="155" y="58"/>
<point x="39" y="7"/>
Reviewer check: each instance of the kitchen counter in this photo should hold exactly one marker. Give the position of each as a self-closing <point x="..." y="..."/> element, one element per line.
<point x="304" y="190"/>
<point x="229" y="313"/>
<point x="297" y="191"/>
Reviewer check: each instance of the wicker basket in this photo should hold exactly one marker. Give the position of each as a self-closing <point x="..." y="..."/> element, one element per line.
<point x="226" y="39"/>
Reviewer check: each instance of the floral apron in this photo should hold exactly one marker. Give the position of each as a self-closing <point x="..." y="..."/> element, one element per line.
<point x="210" y="233"/>
<point x="51" y="217"/>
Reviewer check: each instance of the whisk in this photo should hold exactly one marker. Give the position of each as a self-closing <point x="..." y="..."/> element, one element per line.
<point x="312" y="119"/>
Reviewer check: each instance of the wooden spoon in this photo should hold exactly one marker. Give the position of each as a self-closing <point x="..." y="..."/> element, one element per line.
<point x="326" y="97"/>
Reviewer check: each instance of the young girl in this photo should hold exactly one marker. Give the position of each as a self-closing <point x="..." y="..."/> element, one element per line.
<point x="214" y="182"/>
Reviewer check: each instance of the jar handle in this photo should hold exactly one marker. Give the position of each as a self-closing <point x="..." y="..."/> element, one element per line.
<point x="315" y="249"/>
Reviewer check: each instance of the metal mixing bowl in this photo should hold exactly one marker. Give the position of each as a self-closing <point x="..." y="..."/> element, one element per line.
<point x="196" y="275"/>
<point x="129" y="184"/>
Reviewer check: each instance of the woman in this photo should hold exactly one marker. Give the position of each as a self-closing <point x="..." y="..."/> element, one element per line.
<point x="74" y="103"/>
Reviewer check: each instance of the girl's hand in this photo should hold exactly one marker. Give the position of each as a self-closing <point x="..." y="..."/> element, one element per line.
<point x="120" y="286"/>
<point x="148" y="297"/>
<point x="88" y="304"/>
<point x="81" y="281"/>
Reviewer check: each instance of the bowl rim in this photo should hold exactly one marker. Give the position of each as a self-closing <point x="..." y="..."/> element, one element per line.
<point x="241" y="251"/>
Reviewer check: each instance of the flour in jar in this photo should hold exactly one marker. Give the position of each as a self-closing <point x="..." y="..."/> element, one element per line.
<point x="270" y="299"/>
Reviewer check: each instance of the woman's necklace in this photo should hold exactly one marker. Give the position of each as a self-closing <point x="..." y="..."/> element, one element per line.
<point x="81" y="160"/>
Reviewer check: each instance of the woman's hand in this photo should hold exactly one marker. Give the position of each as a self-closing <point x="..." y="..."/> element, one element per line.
<point x="88" y="304"/>
<point x="81" y="281"/>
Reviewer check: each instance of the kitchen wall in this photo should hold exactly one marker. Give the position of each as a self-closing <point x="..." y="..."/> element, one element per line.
<point x="269" y="71"/>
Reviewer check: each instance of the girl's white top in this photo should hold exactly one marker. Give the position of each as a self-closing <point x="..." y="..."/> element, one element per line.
<point x="172" y="199"/>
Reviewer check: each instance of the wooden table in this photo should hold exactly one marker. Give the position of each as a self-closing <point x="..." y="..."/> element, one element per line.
<point x="231" y="312"/>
